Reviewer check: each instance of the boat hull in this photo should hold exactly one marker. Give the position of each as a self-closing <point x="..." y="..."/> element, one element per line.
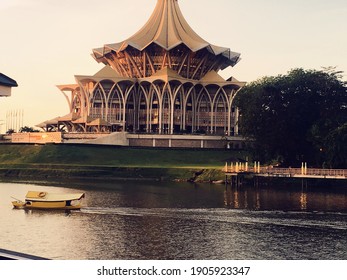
<point x="51" y="205"/>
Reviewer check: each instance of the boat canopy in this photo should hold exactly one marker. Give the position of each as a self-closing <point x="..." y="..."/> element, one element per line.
<point x="45" y="196"/>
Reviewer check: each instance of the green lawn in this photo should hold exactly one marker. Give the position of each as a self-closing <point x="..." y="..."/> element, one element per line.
<point x="103" y="161"/>
<point x="115" y="156"/>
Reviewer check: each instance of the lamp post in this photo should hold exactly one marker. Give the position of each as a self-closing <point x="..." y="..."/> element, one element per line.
<point x="1" y="124"/>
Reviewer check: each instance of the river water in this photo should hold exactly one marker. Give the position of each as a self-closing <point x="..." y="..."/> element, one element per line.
<point x="174" y="221"/>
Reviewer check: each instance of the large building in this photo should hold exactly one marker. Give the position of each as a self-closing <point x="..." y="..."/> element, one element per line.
<point x="161" y="81"/>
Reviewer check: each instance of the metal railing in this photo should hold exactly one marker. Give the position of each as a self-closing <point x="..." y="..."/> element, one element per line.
<point x="292" y="172"/>
<point x="12" y="255"/>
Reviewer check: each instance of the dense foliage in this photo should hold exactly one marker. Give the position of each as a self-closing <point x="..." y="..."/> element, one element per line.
<point x="22" y="130"/>
<point x="27" y="129"/>
<point x="301" y="116"/>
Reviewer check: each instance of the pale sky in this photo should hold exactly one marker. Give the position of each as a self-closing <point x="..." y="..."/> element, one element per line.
<point x="45" y="43"/>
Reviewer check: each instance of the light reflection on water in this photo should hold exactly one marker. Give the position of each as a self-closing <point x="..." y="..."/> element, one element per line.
<point x="136" y="220"/>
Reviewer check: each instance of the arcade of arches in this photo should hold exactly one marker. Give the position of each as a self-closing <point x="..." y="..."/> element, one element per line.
<point x="160" y="106"/>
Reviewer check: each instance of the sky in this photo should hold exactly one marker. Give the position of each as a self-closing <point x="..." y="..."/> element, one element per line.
<point x="45" y="43"/>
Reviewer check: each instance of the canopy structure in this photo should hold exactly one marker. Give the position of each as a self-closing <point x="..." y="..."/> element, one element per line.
<point x="44" y="196"/>
<point x="6" y="83"/>
<point x="166" y="40"/>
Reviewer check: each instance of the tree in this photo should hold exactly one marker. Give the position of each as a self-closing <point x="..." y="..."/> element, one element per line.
<point x="335" y="148"/>
<point x="25" y="129"/>
<point x="289" y="117"/>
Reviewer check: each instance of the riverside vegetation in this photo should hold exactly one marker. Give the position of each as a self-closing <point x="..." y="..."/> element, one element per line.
<point x="298" y="117"/>
<point x="107" y="162"/>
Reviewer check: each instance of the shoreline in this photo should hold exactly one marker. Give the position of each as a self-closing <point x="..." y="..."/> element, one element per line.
<point x="113" y="173"/>
<point x="147" y="174"/>
<point x="73" y="161"/>
<point x="49" y="162"/>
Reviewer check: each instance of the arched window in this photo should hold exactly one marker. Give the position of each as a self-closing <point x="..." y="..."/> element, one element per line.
<point x="142" y="108"/>
<point x="203" y="113"/>
<point x="154" y="112"/>
<point x="114" y="107"/>
<point x="166" y="112"/>
<point x="190" y="112"/>
<point x="97" y="104"/>
<point x="76" y="104"/>
<point x="178" y="112"/>
<point x="220" y="115"/>
<point x="136" y="111"/>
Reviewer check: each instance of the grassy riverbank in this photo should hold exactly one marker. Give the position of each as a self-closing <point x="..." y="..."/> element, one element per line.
<point x="43" y="161"/>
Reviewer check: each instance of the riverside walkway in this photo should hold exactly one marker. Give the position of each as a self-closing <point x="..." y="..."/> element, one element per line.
<point x="235" y="169"/>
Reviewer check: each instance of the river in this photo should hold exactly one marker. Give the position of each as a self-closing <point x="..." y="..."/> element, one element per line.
<point x="177" y="221"/>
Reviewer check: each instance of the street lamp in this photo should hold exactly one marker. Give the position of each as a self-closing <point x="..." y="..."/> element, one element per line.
<point x="1" y="124"/>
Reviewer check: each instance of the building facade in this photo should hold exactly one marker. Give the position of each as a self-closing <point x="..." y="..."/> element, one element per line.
<point x="163" y="80"/>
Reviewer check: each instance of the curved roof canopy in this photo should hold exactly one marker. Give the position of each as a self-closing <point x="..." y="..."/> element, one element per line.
<point x="168" y="29"/>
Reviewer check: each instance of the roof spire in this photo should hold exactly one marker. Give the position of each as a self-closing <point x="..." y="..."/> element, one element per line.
<point x="168" y="29"/>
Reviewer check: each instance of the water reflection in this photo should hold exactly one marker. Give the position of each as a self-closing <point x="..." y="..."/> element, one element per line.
<point x="286" y="199"/>
<point x="303" y="200"/>
<point x="43" y="212"/>
<point x="146" y="220"/>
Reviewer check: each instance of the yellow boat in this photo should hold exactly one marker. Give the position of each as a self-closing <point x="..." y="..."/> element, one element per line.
<point x="45" y="200"/>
